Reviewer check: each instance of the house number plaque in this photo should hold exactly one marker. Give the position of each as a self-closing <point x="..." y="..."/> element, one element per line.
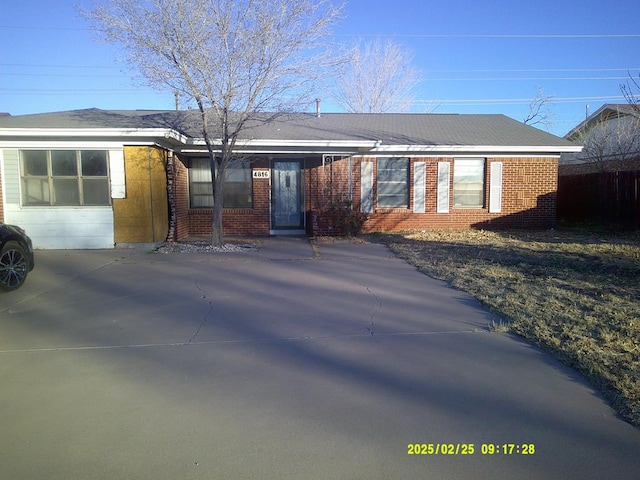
<point x="261" y="174"/>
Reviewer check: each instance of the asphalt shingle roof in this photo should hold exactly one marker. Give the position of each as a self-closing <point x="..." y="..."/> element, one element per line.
<point x="389" y="129"/>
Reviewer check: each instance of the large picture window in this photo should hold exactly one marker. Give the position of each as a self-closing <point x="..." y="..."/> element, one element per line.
<point x="468" y="182"/>
<point x="65" y="177"/>
<point x="393" y="182"/>
<point x="238" y="191"/>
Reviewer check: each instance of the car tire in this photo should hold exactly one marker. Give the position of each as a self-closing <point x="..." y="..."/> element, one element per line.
<point x="14" y="266"/>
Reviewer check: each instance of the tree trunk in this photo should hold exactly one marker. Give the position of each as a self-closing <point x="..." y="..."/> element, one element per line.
<point x="217" y="238"/>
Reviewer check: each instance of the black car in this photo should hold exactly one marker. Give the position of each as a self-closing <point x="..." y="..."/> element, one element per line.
<point x="16" y="256"/>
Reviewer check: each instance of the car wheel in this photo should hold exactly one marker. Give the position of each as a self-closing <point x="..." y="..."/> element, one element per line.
<point x="14" y="265"/>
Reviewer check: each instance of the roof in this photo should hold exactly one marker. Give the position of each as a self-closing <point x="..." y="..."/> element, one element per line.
<point x="387" y="131"/>
<point x="604" y="113"/>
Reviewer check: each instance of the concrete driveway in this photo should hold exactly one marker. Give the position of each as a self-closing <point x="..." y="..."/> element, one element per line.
<point x="285" y="363"/>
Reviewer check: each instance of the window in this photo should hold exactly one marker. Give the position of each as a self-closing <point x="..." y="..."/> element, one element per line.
<point x="393" y="182"/>
<point x="65" y="177"/>
<point x="237" y="187"/>
<point x="468" y="182"/>
<point x="200" y="188"/>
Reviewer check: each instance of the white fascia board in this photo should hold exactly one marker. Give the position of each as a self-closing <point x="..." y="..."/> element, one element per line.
<point x="156" y="133"/>
<point x="275" y="151"/>
<point x="270" y="144"/>
<point x="66" y="144"/>
<point x="478" y="149"/>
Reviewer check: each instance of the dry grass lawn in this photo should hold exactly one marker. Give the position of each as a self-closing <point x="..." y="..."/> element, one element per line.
<point x="575" y="293"/>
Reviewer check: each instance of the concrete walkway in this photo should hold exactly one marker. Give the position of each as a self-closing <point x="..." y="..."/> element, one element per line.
<point x="291" y="362"/>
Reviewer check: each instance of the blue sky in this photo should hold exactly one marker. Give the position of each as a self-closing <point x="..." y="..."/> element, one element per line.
<point x="475" y="57"/>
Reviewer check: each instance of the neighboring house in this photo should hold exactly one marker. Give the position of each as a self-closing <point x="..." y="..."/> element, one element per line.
<point x="601" y="184"/>
<point x="611" y="142"/>
<point x="94" y="178"/>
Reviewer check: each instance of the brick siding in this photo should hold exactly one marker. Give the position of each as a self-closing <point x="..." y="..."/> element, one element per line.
<point x="528" y="199"/>
<point x="198" y="221"/>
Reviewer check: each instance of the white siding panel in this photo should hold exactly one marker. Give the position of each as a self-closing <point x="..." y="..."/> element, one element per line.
<point x="116" y="171"/>
<point x="419" y="169"/>
<point x="366" y="187"/>
<point x="495" y="188"/>
<point x="65" y="228"/>
<point x="11" y="177"/>
<point x="443" y="187"/>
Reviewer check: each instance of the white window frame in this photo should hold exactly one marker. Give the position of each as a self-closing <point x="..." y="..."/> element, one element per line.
<point x="392" y="191"/>
<point x="469" y="182"/>
<point x="51" y="182"/>
<point x="200" y="176"/>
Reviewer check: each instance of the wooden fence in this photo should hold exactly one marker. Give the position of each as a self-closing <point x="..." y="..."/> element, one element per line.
<point x="606" y="198"/>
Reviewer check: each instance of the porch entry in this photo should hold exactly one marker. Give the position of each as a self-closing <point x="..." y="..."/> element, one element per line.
<point x="287" y="215"/>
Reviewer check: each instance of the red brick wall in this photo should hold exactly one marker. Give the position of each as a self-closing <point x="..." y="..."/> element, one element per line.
<point x="528" y="199"/>
<point x="235" y="221"/>
<point x="328" y="185"/>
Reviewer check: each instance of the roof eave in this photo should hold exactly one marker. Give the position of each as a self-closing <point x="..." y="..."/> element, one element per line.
<point x="598" y="115"/>
<point x="272" y="146"/>
<point x="158" y="133"/>
<point x="480" y="149"/>
<point x="295" y="143"/>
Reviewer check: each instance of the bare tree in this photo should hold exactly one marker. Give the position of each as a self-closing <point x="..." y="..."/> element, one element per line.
<point x="613" y="139"/>
<point x="379" y="78"/>
<point x="540" y="111"/>
<point x="629" y="91"/>
<point x="236" y="59"/>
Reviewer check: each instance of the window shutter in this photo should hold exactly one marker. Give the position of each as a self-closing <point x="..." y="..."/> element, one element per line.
<point x="366" y="187"/>
<point x="495" y="188"/>
<point x="443" y="187"/>
<point x="418" y="187"/>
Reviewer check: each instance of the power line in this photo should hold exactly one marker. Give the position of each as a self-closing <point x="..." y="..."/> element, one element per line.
<point x="516" y="101"/>
<point x="74" y="91"/>
<point x="63" y="75"/>
<point x="403" y="35"/>
<point x="48" y="27"/>
<point x="433" y="79"/>
<point x="36" y="65"/>
<point x="507" y="79"/>
<point x="532" y="70"/>
<point x="492" y="35"/>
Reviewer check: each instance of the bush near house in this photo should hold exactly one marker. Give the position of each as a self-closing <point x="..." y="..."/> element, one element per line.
<point x="575" y="293"/>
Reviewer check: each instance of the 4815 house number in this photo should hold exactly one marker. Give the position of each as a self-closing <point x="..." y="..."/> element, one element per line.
<point x="261" y="173"/>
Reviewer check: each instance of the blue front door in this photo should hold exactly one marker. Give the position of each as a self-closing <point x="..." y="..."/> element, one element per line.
<point x="286" y="195"/>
